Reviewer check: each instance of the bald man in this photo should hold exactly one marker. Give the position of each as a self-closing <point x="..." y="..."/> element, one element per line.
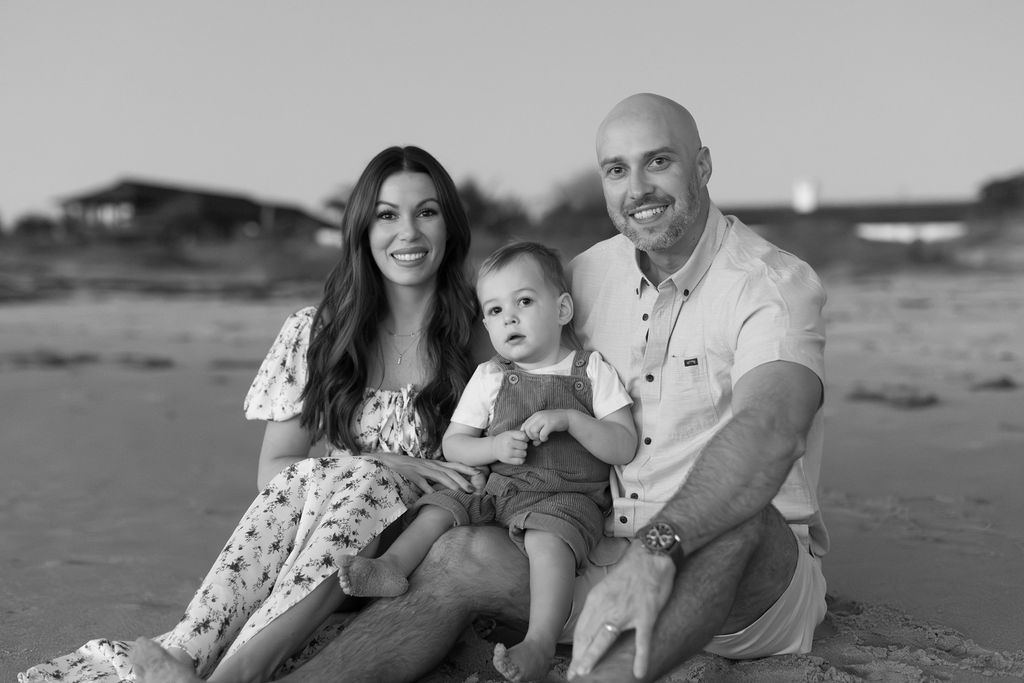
<point x="715" y="536"/>
<point x="719" y="338"/>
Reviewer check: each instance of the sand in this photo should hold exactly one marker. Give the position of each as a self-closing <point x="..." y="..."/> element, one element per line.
<point x="126" y="462"/>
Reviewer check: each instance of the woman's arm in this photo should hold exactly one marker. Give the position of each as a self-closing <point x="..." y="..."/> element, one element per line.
<point x="612" y="439"/>
<point x="425" y="473"/>
<point x="284" y="443"/>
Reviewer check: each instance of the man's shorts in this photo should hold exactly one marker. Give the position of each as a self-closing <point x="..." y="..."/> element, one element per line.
<point x="786" y="627"/>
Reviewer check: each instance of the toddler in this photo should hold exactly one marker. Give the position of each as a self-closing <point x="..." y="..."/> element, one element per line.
<point x="549" y="420"/>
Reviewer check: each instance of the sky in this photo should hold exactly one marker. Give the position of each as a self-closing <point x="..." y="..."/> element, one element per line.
<point x="869" y="100"/>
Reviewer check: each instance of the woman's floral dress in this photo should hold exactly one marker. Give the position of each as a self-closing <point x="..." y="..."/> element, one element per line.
<point x="290" y="538"/>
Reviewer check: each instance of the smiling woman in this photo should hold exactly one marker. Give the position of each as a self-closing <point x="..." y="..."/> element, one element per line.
<point x="374" y="371"/>
<point x="408" y="236"/>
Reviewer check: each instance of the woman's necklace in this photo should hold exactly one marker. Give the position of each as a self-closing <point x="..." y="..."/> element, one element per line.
<point x="401" y="352"/>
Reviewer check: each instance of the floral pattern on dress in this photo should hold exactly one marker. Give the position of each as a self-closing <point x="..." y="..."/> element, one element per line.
<point x="290" y="539"/>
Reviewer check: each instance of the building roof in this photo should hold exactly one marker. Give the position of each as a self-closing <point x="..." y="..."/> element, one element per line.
<point x="128" y="189"/>
<point x="132" y="189"/>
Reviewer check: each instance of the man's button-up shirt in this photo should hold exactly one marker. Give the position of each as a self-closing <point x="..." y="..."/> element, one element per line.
<point x="680" y="345"/>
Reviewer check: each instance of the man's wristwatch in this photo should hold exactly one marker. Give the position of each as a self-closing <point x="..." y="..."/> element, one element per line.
<point x="660" y="538"/>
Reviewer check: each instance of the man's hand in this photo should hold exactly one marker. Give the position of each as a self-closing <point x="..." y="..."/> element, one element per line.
<point x="630" y="597"/>
<point x="509" y="447"/>
<point x="540" y="425"/>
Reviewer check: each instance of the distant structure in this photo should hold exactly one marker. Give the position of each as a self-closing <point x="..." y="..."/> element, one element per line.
<point x="882" y="221"/>
<point x="867" y="231"/>
<point x="805" y="195"/>
<point x="137" y="209"/>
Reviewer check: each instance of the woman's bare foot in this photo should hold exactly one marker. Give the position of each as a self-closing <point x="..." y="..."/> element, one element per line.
<point x="530" y="660"/>
<point x="371" y="578"/>
<point x="154" y="664"/>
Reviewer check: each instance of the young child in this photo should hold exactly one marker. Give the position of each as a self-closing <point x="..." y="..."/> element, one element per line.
<point x="550" y="421"/>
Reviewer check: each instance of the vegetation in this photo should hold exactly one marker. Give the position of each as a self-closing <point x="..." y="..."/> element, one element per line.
<point x="41" y="255"/>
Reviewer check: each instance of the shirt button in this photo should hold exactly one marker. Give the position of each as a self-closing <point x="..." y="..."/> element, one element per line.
<point x="646" y="316"/>
<point x="686" y="292"/>
<point x="649" y="378"/>
<point x="623" y="519"/>
<point x="647" y="440"/>
<point x="634" y="496"/>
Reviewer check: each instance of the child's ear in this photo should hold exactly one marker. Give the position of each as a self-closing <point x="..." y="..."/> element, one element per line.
<point x="565" y="308"/>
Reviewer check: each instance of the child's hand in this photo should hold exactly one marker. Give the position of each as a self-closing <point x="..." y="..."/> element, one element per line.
<point x="479" y="479"/>
<point x="540" y="425"/>
<point x="509" y="447"/>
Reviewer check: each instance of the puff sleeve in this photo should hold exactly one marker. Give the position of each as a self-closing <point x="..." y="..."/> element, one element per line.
<point x="275" y="392"/>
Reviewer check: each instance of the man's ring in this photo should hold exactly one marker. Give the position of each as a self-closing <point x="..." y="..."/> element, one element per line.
<point x="614" y="630"/>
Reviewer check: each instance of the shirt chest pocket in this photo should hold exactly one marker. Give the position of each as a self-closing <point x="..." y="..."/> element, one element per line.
<point x="687" y="400"/>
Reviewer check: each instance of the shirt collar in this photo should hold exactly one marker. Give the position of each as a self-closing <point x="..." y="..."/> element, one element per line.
<point x="686" y="278"/>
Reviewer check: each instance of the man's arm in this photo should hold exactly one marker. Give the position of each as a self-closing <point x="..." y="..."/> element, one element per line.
<point x="743" y="466"/>
<point x="736" y="476"/>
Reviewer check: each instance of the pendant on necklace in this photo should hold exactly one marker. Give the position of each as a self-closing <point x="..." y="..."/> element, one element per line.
<point x="401" y="352"/>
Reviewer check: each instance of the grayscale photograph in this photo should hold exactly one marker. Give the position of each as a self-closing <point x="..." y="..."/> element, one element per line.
<point x="475" y="342"/>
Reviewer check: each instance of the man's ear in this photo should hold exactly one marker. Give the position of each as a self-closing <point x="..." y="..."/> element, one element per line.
<point x="565" y="308"/>
<point x="703" y="164"/>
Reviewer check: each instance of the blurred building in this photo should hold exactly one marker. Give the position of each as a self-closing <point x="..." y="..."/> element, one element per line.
<point x="882" y="221"/>
<point x="140" y="210"/>
<point x="868" y="232"/>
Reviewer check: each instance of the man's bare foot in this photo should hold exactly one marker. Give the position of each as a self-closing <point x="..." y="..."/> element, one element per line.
<point x="154" y="664"/>
<point x="530" y="660"/>
<point x="371" y="578"/>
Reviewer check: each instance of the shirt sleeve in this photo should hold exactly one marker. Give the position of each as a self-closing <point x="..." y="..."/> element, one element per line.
<point x="608" y="392"/>
<point x="779" y="317"/>
<point x="476" y="405"/>
<point x="275" y="392"/>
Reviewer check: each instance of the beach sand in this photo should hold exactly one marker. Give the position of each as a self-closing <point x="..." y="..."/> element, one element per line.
<point x="126" y="462"/>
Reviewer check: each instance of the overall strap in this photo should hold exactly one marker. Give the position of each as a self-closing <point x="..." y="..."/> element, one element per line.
<point x="579" y="364"/>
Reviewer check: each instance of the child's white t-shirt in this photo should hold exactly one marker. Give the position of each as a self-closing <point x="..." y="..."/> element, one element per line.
<point x="476" y="406"/>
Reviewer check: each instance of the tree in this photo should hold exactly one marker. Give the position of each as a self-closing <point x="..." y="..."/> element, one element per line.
<point x="501" y="217"/>
<point x="36" y="228"/>
<point x="579" y="216"/>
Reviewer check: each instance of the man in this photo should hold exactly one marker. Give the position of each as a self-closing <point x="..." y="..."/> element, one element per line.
<point x="714" y="540"/>
<point x="718" y="336"/>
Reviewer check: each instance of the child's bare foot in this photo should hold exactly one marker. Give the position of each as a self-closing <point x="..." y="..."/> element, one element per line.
<point x="530" y="660"/>
<point x="371" y="578"/>
<point x="154" y="664"/>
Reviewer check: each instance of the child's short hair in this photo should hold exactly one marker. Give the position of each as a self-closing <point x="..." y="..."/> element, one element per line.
<point x="550" y="267"/>
<point x="545" y="257"/>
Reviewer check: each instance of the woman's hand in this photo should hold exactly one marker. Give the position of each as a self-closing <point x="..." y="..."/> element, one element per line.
<point x="422" y="472"/>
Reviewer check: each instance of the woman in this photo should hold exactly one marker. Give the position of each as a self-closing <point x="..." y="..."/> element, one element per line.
<point x="374" y="371"/>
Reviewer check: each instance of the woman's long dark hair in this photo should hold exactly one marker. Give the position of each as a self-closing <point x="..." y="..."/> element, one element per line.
<point x="354" y="305"/>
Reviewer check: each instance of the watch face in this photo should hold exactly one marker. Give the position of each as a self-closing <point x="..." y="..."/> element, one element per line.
<point x="660" y="536"/>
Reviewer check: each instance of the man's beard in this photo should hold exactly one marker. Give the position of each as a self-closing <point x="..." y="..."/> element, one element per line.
<point x="677" y="227"/>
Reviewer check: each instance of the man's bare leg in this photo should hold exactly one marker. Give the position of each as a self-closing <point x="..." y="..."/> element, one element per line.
<point x="470" y="571"/>
<point x="262" y="654"/>
<point x="722" y="588"/>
